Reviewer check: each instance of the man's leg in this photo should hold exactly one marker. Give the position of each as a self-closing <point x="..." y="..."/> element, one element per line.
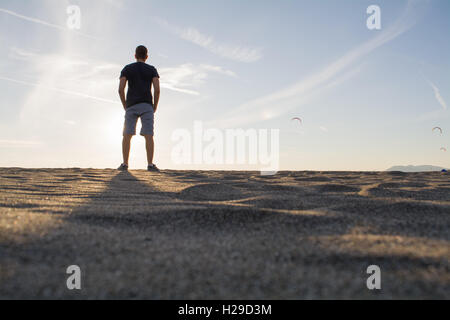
<point x="147" y="120"/>
<point x="150" y="146"/>
<point x="129" y="130"/>
<point x="126" y="142"/>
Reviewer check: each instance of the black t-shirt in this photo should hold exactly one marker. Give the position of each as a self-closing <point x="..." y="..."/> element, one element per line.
<point x="139" y="76"/>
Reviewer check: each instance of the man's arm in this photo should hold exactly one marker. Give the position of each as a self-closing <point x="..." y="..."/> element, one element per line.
<point x="122" y="84"/>
<point x="156" y="93"/>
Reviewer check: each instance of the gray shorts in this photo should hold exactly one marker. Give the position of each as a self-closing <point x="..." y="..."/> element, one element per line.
<point x="143" y="111"/>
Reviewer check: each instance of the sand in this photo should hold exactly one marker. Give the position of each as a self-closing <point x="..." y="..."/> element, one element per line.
<point x="223" y="235"/>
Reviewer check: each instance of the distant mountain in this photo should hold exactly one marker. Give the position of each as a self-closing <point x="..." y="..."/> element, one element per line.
<point x="415" y="168"/>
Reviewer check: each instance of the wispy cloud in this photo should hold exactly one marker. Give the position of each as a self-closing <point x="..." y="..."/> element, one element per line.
<point x="299" y="93"/>
<point x="76" y="77"/>
<point x="44" y="23"/>
<point x="119" y="4"/>
<point x="162" y="55"/>
<point x="75" y="68"/>
<point x="233" y="52"/>
<point x="438" y="96"/>
<point x="44" y="61"/>
<point x="93" y="79"/>
<point x="186" y="77"/>
<point x="19" y="144"/>
<point x="218" y="69"/>
<point x="60" y="90"/>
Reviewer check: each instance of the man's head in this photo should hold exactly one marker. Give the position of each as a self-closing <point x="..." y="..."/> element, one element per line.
<point x="141" y="53"/>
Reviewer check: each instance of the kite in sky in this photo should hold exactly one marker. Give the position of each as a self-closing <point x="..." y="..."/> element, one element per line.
<point x="298" y="119"/>
<point x="437" y="129"/>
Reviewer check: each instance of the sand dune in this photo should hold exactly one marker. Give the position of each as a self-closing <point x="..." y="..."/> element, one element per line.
<point x="223" y="235"/>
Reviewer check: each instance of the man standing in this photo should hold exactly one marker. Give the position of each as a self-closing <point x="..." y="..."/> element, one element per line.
<point x="139" y="103"/>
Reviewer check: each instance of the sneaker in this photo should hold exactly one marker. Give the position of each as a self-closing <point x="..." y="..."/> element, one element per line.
<point x="152" y="168"/>
<point x="123" y="167"/>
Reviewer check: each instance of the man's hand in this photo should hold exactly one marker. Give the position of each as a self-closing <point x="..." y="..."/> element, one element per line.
<point x="156" y="93"/>
<point x="122" y="85"/>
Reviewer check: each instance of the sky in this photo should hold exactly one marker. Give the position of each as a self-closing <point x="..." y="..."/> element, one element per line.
<point x="368" y="99"/>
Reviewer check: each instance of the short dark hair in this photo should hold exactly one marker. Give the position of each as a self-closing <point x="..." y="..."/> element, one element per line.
<point x="141" y="52"/>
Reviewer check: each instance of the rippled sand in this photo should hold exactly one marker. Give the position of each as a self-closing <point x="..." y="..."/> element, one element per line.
<point x="223" y="235"/>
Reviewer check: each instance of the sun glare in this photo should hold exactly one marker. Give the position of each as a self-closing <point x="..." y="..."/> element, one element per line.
<point x="113" y="129"/>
